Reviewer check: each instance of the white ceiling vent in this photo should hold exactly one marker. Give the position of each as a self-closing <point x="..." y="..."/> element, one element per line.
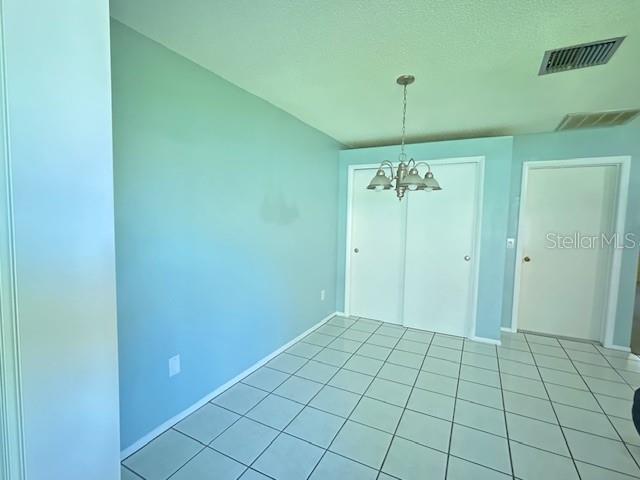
<point x="597" y="119"/>
<point x="579" y="56"/>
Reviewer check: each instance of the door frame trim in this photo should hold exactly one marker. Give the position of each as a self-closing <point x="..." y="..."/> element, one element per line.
<point x="477" y="240"/>
<point x="624" y="165"/>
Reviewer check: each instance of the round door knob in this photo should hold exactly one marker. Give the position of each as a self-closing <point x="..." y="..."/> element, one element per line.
<point x="356" y="250"/>
<point x="527" y="259"/>
<point x="467" y="258"/>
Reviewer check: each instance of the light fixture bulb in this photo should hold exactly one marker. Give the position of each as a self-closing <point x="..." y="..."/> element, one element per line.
<point x="412" y="180"/>
<point x="379" y="182"/>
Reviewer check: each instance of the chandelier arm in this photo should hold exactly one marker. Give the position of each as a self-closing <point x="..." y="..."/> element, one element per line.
<point x="423" y="163"/>
<point x="390" y="165"/>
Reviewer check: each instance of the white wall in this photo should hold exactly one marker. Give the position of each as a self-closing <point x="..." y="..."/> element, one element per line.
<point x="59" y="111"/>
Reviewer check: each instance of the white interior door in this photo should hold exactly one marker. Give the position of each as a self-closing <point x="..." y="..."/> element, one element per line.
<point x="563" y="291"/>
<point x="441" y="228"/>
<point x="376" y="251"/>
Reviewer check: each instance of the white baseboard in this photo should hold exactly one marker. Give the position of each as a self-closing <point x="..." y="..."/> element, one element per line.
<point x="508" y="329"/>
<point x="207" y="398"/>
<point x="491" y="341"/>
<point x="619" y="348"/>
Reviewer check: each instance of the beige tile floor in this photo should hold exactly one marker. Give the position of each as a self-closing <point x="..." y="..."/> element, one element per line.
<point x="360" y="399"/>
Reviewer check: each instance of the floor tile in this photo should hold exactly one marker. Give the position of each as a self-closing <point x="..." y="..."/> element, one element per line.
<point x="333" y="357"/>
<point x="424" y="429"/>
<point x="554" y="362"/>
<point x="244" y="440"/>
<point x="548" y="350"/>
<point x="478" y="360"/>
<point x="398" y="373"/>
<point x="206" y="423"/>
<point x="480" y="447"/>
<point x="352" y="381"/>
<point x="585" y="420"/>
<point x="319" y="339"/>
<point x="365" y="326"/>
<point x="514" y="345"/>
<point x="210" y="464"/>
<point x="431" y="403"/>
<point x="626" y="430"/>
<point x="579" y="346"/>
<point x="460" y="469"/>
<point x="374" y="351"/>
<point x="474" y="392"/>
<point x="382" y="340"/>
<point x="411" y="346"/>
<point x="527" y="386"/>
<point x="315" y="426"/>
<point x="275" y="411"/>
<point x="388" y="391"/>
<point x="341" y="321"/>
<point x="299" y="389"/>
<point x="604" y="373"/>
<point x="332" y="330"/>
<point x="519" y="369"/>
<point x="240" y="398"/>
<point x="406" y="359"/>
<point x="448" y="341"/>
<point x="532" y="338"/>
<point x="534" y="464"/>
<point x="480" y="375"/>
<point x="335" y="400"/>
<point x="601" y="451"/>
<point x="126" y="474"/>
<point x="316" y="371"/>
<point x="163" y="456"/>
<point x="591" y="472"/>
<point x="266" y="378"/>
<point x="614" y="406"/>
<point x="542" y="435"/>
<point x="377" y="414"/>
<point x="391" y="330"/>
<point x="480" y="417"/>
<point x="288" y="458"/>
<point x="444" y="353"/>
<point x="366" y="365"/>
<point x="287" y="363"/>
<point x="409" y="461"/>
<point x="417" y="336"/>
<point x="515" y="355"/>
<point x="573" y="397"/>
<point x="613" y="389"/>
<point x="361" y="443"/>
<point x="356" y="335"/>
<point x="630" y="364"/>
<point x="437" y="383"/>
<point x="302" y="349"/>
<point x="587" y="357"/>
<point x="477" y="347"/>
<point x="333" y="467"/>
<point x="562" y="378"/>
<point x="344" y="345"/>
<point x="632" y="378"/>
<point x="529" y="406"/>
<point x="442" y="367"/>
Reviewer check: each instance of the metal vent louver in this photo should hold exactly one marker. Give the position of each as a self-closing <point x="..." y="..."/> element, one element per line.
<point x="579" y="56"/>
<point x="597" y="119"/>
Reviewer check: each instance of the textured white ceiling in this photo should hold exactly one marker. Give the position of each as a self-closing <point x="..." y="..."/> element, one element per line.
<point x="333" y="63"/>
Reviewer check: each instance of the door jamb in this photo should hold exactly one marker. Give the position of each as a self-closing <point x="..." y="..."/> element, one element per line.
<point x="624" y="164"/>
<point x="475" y="275"/>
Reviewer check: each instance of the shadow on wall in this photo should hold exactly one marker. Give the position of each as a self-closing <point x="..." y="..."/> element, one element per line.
<point x="278" y="210"/>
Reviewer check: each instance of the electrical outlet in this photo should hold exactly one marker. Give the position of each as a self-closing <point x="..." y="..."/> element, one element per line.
<point x="174" y="365"/>
<point x="322" y="295"/>
<point x="511" y="242"/>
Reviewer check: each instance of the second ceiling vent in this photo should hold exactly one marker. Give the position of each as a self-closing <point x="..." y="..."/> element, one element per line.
<point x="579" y="56"/>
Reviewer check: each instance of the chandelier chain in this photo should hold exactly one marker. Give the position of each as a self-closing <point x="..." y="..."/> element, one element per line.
<point x="404" y="121"/>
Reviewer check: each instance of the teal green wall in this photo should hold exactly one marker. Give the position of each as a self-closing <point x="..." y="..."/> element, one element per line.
<point x="504" y="157"/>
<point x="225" y="228"/>
<point x="59" y="147"/>
<point x="495" y="210"/>
<point x="601" y="142"/>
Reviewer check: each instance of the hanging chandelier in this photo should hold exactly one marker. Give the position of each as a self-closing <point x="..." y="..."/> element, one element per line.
<point x="406" y="176"/>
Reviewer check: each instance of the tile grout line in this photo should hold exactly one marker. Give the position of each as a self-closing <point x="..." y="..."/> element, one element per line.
<point x="453" y="416"/>
<point x="404" y="409"/>
<point x="504" y="415"/>
<point x="575" y="466"/>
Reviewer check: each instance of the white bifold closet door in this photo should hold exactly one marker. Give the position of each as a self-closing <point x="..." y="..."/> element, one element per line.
<point x="412" y="262"/>
<point x="438" y="285"/>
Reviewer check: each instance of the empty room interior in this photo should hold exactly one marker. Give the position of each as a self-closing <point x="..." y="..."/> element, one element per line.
<point x="319" y="239"/>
